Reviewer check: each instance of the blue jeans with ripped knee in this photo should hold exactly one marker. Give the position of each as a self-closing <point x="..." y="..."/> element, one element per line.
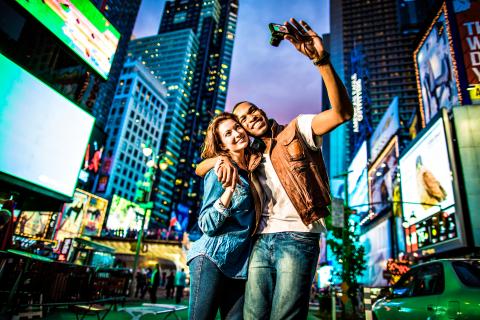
<point x="280" y="274"/>
<point x="211" y="291"/>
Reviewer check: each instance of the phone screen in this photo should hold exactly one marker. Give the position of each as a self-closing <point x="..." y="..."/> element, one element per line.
<point x="280" y="28"/>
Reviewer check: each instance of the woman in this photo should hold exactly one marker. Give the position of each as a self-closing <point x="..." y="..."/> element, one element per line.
<point x="218" y="260"/>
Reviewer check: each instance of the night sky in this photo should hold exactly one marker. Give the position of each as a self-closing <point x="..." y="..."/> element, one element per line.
<point x="280" y="80"/>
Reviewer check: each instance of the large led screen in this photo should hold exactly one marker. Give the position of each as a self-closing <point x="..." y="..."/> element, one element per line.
<point x="381" y="178"/>
<point x="125" y="215"/>
<point x="436" y="74"/>
<point x="377" y="244"/>
<point x="358" y="182"/>
<point x="44" y="135"/>
<point x="81" y="26"/>
<point x="426" y="176"/>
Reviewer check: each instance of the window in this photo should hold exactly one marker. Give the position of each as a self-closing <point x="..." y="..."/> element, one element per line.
<point x="404" y="286"/>
<point x="468" y="272"/>
<point x="429" y="280"/>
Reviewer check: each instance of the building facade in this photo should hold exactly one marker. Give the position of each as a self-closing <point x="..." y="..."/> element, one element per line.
<point x="171" y="58"/>
<point x="137" y="117"/>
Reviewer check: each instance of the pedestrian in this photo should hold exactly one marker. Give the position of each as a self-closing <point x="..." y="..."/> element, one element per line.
<point x="218" y="260"/>
<point x="154" y="283"/>
<point x="180" y="283"/>
<point x="170" y="285"/>
<point x="293" y="184"/>
<point x="163" y="280"/>
<point x="141" y="280"/>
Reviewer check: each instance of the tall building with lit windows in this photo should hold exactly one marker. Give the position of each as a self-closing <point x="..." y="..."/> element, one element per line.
<point x="171" y="58"/>
<point x="214" y="24"/>
<point x="373" y="41"/>
<point x="137" y="116"/>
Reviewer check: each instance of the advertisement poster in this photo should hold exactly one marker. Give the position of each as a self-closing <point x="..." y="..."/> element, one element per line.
<point x="377" y="244"/>
<point x="95" y="212"/>
<point x="381" y="177"/>
<point x="436" y="74"/>
<point x="33" y="223"/>
<point x="468" y="21"/>
<point x="358" y="182"/>
<point x="72" y="216"/>
<point x="125" y="215"/>
<point x="426" y="184"/>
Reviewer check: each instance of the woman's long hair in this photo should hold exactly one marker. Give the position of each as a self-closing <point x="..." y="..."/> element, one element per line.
<point x="212" y="145"/>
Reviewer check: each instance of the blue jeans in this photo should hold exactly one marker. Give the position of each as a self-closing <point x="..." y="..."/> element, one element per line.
<point x="211" y="290"/>
<point x="281" y="270"/>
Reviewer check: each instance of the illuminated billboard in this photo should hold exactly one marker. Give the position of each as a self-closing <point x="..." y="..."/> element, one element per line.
<point x="386" y="129"/>
<point x="426" y="176"/>
<point x="435" y="69"/>
<point x="71" y="220"/>
<point x="80" y="26"/>
<point x="125" y="215"/>
<point x="427" y="188"/>
<point x="44" y="135"/>
<point x="95" y="212"/>
<point x="377" y="243"/>
<point x="381" y="178"/>
<point x="466" y="14"/>
<point x="357" y="181"/>
<point x="83" y="216"/>
<point x="33" y="223"/>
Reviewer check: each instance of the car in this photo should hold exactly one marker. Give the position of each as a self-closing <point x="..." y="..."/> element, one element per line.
<point x="435" y="290"/>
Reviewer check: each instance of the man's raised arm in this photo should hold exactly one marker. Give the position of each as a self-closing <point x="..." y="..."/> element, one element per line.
<point x="308" y="42"/>
<point x="224" y="168"/>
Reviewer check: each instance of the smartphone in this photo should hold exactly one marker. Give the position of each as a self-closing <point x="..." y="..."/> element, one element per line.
<point x="278" y="31"/>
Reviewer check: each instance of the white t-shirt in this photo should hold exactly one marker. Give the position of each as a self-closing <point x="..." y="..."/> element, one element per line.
<point x="279" y="214"/>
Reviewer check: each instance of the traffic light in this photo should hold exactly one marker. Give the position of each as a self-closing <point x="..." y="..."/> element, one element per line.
<point x="140" y="195"/>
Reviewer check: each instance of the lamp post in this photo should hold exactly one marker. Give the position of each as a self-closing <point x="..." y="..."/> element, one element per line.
<point x="143" y="198"/>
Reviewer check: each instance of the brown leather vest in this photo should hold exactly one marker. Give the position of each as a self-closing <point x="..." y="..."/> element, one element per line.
<point x="301" y="171"/>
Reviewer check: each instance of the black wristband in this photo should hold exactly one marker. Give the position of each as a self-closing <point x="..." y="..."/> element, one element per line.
<point x="323" y="60"/>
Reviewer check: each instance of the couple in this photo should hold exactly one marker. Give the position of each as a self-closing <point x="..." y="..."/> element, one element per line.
<point x="263" y="205"/>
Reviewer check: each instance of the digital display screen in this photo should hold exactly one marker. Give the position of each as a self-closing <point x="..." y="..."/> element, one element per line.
<point x="44" y="135"/>
<point x="426" y="176"/>
<point x="94" y="215"/>
<point x="125" y="215"/>
<point x="381" y="178"/>
<point x="435" y="70"/>
<point x="377" y="244"/>
<point x="358" y="182"/>
<point x="81" y="26"/>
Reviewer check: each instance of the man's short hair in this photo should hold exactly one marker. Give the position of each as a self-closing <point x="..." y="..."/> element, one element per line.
<point x="239" y="103"/>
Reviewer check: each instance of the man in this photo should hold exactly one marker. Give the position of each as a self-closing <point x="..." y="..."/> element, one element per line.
<point x="154" y="283"/>
<point x="180" y="283"/>
<point x="292" y="191"/>
<point x="170" y="285"/>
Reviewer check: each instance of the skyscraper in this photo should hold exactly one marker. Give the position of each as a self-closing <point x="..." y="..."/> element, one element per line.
<point x="171" y="58"/>
<point x="214" y="24"/>
<point x="137" y="116"/>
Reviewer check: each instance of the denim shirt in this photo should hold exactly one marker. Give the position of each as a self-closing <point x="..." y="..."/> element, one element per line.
<point x="226" y="238"/>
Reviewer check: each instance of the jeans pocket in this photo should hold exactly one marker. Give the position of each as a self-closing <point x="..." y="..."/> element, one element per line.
<point x="307" y="237"/>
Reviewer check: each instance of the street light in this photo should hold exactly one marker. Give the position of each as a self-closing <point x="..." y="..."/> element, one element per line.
<point x="144" y="199"/>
